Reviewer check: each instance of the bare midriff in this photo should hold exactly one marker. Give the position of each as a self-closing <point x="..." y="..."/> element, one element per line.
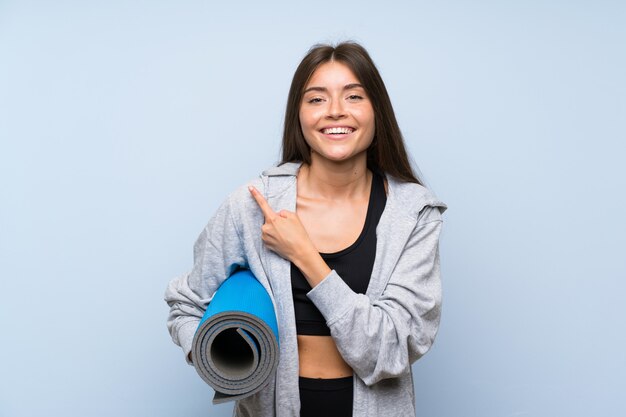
<point x="319" y="358"/>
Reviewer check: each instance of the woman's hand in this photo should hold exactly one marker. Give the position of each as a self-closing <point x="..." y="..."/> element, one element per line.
<point x="283" y="232"/>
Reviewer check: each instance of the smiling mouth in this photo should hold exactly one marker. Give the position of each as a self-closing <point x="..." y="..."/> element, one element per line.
<point x="337" y="130"/>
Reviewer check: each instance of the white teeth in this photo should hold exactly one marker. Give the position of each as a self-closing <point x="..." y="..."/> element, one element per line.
<point x="336" y="130"/>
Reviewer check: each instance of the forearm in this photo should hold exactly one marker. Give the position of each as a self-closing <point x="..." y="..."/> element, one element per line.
<point x="217" y="252"/>
<point x="313" y="267"/>
<point x="380" y="338"/>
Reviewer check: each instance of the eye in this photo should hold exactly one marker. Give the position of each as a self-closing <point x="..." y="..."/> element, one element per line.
<point x="314" y="100"/>
<point x="355" y="97"/>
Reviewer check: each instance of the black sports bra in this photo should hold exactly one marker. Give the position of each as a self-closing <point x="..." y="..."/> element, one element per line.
<point x="353" y="264"/>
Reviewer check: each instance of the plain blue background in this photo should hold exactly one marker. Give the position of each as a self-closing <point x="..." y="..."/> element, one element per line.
<point x="123" y="125"/>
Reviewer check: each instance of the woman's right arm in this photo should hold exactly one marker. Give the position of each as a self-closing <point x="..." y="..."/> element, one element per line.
<point x="218" y="251"/>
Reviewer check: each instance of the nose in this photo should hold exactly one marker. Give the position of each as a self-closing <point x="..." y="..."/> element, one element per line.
<point x="336" y="109"/>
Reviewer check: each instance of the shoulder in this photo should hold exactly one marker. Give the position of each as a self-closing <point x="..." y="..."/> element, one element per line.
<point x="240" y="199"/>
<point x="416" y="200"/>
<point x="271" y="181"/>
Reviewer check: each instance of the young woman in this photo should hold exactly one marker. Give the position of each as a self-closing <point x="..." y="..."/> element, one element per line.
<point x="345" y="239"/>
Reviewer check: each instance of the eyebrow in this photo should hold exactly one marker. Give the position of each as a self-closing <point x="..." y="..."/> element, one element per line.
<point x="324" y="89"/>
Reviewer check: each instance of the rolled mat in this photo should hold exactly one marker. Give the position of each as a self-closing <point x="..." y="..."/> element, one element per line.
<point x="235" y="348"/>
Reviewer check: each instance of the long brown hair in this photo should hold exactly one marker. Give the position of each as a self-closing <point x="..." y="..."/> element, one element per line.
<point x="387" y="152"/>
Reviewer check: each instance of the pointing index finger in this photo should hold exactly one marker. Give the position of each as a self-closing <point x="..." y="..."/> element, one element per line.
<point x="265" y="207"/>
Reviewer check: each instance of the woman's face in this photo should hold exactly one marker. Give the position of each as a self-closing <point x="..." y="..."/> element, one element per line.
<point x="336" y="115"/>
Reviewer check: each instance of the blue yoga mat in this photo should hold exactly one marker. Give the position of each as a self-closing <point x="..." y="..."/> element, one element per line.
<point x="235" y="348"/>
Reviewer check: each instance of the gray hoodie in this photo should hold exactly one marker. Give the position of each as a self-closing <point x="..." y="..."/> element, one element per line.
<point x="379" y="334"/>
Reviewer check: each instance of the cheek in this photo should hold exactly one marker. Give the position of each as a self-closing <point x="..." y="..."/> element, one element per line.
<point x="305" y="119"/>
<point x="309" y="121"/>
<point x="367" y="121"/>
<point x="304" y="127"/>
<point x="372" y="123"/>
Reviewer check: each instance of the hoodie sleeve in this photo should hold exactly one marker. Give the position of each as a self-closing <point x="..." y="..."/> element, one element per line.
<point x="217" y="253"/>
<point x="381" y="339"/>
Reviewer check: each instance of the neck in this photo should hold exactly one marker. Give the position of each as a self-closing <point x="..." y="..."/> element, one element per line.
<point x="331" y="180"/>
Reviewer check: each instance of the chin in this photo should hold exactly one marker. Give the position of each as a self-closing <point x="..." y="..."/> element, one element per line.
<point x="338" y="155"/>
<point x="338" y="158"/>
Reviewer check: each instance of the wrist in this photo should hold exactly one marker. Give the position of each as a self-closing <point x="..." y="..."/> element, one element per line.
<point x="312" y="266"/>
<point x="304" y="254"/>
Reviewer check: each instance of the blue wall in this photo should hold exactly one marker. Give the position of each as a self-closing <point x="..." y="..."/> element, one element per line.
<point x="123" y="126"/>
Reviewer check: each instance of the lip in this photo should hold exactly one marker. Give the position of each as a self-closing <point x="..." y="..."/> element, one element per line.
<point x="331" y="126"/>
<point x="337" y="136"/>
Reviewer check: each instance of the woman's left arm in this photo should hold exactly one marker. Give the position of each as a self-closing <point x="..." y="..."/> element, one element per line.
<point x="381" y="339"/>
